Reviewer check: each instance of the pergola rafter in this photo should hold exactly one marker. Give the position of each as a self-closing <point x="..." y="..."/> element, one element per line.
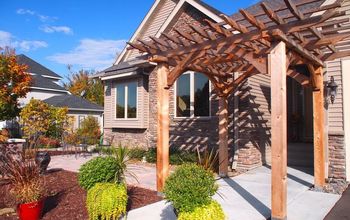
<point x="273" y="41"/>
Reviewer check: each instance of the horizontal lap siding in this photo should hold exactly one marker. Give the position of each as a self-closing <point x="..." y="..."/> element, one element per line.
<point x="110" y="102"/>
<point x="254" y="122"/>
<point x="335" y="111"/>
<point x="161" y="14"/>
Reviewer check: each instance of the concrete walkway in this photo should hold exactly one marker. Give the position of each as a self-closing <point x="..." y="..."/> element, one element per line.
<point x="145" y="173"/>
<point x="247" y="196"/>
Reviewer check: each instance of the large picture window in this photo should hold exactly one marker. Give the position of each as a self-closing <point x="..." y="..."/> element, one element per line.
<point x="192" y="95"/>
<point x="126" y="100"/>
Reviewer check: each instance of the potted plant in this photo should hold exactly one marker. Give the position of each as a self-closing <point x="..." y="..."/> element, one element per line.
<point x="26" y="185"/>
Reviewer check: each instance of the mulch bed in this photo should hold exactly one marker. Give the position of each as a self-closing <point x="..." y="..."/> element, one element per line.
<point x="66" y="200"/>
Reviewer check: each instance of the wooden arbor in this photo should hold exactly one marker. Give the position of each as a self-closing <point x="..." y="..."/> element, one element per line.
<point x="271" y="41"/>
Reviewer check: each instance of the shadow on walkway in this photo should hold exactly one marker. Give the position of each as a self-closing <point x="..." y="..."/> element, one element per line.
<point x="250" y="198"/>
<point x="296" y="179"/>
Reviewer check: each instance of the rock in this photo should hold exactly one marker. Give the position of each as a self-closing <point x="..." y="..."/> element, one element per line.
<point x="7" y="211"/>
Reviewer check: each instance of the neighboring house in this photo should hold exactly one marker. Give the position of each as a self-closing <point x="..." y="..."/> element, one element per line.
<point x="131" y="102"/>
<point x="45" y="86"/>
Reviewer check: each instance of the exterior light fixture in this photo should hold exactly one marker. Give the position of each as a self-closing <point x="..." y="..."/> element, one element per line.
<point x="332" y="89"/>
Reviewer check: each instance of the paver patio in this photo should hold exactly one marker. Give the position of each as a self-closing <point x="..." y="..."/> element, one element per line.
<point x="246" y="196"/>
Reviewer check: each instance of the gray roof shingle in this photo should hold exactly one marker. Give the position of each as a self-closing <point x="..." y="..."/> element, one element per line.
<point x="35" y="67"/>
<point x="45" y="83"/>
<point x="73" y="102"/>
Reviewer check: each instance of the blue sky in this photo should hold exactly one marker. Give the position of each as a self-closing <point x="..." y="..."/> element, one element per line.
<point x="86" y="34"/>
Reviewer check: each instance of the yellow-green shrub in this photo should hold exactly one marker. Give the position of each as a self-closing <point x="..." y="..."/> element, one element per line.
<point x="106" y="201"/>
<point x="212" y="211"/>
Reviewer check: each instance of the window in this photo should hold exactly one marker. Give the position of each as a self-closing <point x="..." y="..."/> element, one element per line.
<point x="81" y="118"/>
<point x="126" y="100"/>
<point x="192" y="95"/>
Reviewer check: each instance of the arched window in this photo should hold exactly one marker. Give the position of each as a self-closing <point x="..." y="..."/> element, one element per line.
<point x="192" y="95"/>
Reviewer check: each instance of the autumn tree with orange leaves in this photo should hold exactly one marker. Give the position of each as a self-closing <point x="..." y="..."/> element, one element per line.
<point x="81" y="84"/>
<point x="14" y="84"/>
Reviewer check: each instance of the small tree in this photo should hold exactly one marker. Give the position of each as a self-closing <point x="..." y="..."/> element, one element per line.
<point x="80" y="84"/>
<point x="14" y="84"/>
<point x="58" y="122"/>
<point x="38" y="118"/>
<point x="90" y="130"/>
<point x="35" y="118"/>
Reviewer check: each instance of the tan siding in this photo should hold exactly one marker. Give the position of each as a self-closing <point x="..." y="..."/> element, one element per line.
<point x="255" y="118"/>
<point x="335" y="111"/>
<point x="110" y="101"/>
<point x="154" y="24"/>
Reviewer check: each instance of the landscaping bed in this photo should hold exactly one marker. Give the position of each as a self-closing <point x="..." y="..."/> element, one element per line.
<point x="66" y="199"/>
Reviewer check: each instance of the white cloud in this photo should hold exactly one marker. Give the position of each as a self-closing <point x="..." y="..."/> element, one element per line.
<point x="22" y="11"/>
<point x="7" y="39"/>
<point x="43" y="18"/>
<point x="91" y="54"/>
<point x="52" y="29"/>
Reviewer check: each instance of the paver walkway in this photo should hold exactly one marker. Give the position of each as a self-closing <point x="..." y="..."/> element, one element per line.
<point x="341" y="210"/>
<point x="146" y="174"/>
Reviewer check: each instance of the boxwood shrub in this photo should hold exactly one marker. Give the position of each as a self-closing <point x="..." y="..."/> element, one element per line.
<point x="106" y="201"/>
<point x="98" y="170"/>
<point x="212" y="211"/>
<point x="190" y="186"/>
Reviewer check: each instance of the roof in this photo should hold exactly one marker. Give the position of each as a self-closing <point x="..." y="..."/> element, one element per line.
<point x="35" y="67"/>
<point x="276" y="4"/>
<point x="125" y="67"/>
<point x="209" y="7"/>
<point x="73" y="102"/>
<point x="41" y="82"/>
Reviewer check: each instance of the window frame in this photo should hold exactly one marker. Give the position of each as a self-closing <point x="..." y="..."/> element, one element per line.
<point x="126" y="91"/>
<point x="192" y="97"/>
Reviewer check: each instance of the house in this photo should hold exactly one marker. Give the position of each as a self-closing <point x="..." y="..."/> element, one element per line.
<point x="131" y="100"/>
<point x="45" y="86"/>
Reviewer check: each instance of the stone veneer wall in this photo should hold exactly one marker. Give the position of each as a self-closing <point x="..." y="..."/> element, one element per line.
<point x="128" y="137"/>
<point x="336" y="157"/>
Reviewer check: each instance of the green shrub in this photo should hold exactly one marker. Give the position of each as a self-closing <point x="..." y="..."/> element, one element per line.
<point x="106" y="201"/>
<point x="106" y="150"/>
<point x="98" y="170"/>
<point x="137" y="153"/>
<point x="151" y="155"/>
<point x="176" y="156"/>
<point x="190" y="186"/>
<point x="212" y="211"/>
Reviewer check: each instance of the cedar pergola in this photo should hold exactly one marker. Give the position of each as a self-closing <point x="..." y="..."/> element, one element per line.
<point x="270" y="41"/>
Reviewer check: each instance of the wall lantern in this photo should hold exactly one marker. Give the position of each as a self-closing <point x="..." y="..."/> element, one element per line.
<point x="332" y="89"/>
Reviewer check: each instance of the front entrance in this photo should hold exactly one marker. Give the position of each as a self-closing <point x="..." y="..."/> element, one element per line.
<point x="300" y="125"/>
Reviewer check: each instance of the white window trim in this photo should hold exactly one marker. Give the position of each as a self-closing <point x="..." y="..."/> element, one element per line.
<point x="126" y="102"/>
<point x="192" y="116"/>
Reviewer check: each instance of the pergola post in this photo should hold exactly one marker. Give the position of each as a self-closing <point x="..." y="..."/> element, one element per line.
<point x="223" y="136"/>
<point x="319" y="145"/>
<point x="277" y="67"/>
<point x="162" y="125"/>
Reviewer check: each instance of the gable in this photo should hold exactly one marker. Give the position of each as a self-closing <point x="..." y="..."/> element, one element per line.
<point x="165" y="16"/>
<point x="154" y="21"/>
